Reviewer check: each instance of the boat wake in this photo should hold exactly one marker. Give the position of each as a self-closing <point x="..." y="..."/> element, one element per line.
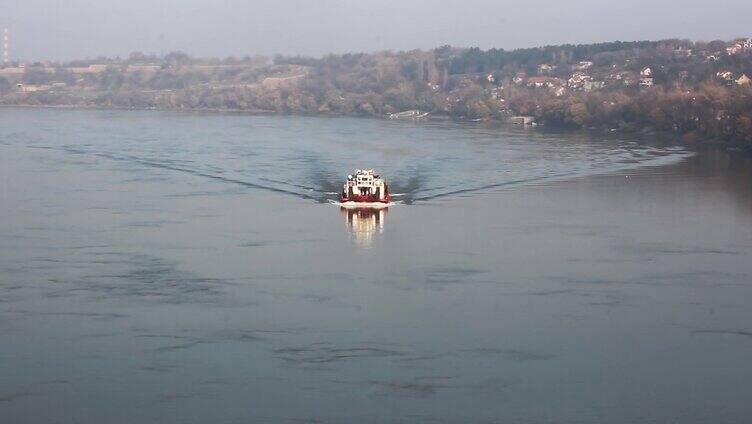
<point x="417" y="172"/>
<point x="364" y="205"/>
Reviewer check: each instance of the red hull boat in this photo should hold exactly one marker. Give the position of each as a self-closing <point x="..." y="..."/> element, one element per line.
<point x="363" y="187"/>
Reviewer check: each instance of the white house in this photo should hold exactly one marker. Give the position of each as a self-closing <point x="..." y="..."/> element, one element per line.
<point x="583" y="65"/>
<point x="734" y="49"/>
<point x="545" y="68"/>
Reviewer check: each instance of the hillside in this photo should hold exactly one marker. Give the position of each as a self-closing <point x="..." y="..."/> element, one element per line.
<point x="697" y="90"/>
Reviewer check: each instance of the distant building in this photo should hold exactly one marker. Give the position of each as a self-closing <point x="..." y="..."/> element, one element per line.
<point x="743" y="80"/>
<point x="646" y="82"/>
<point x="519" y="78"/>
<point x="91" y="69"/>
<point x="592" y="85"/>
<point x="491" y="78"/>
<point x="683" y="52"/>
<point x="12" y="70"/>
<point x="522" y="120"/>
<point x="143" y="68"/>
<point x="734" y="49"/>
<point x="577" y="80"/>
<point x="743" y="43"/>
<point x="726" y="77"/>
<point x="32" y="88"/>
<point x="546" y="68"/>
<point x="646" y="73"/>
<point x="540" y="81"/>
<point x="583" y="65"/>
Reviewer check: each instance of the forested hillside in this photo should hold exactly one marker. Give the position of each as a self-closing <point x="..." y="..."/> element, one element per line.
<point x="697" y="90"/>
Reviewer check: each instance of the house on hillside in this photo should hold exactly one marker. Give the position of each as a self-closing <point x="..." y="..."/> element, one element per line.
<point x="725" y="77"/>
<point x="646" y="82"/>
<point x="536" y="82"/>
<point x="32" y="88"/>
<point x="588" y="86"/>
<point x="744" y="43"/>
<point x="519" y="78"/>
<point x="712" y="57"/>
<point x="682" y="52"/>
<point x="646" y="72"/>
<point x="549" y="82"/>
<point x="577" y="80"/>
<point x="143" y="68"/>
<point x="743" y="80"/>
<point x="582" y="65"/>
<point x="546" y="68"/>
<point x="734" y="49"/>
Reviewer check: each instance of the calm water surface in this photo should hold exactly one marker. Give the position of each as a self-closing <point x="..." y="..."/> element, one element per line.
<point x="187" y="268"/>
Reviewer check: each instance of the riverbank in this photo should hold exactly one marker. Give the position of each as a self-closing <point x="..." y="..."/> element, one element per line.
<point x="664" y="137"/>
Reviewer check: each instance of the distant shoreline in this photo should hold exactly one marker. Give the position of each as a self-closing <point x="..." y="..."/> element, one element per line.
<point x="701" y="92"/>
<point x="660" y="137"/>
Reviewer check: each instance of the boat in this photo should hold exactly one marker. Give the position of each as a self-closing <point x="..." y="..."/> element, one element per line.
<point x="409" y="114"/>
<point x="364" y="188"/>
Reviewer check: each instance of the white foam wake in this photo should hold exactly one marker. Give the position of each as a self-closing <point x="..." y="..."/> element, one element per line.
<point x="369" y="205"/>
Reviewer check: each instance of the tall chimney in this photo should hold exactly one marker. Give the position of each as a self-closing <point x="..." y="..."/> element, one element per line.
<point x="6" y="47"/>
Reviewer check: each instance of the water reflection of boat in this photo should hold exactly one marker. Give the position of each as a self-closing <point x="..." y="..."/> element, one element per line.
<point x="364" y="223"/>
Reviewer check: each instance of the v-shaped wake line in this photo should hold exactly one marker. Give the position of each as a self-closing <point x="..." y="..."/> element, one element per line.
<point x="408" y="194"/>
<point x="162" y="165"/>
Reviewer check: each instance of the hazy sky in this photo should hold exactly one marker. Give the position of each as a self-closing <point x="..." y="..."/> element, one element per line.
<point x="68" y="29"/>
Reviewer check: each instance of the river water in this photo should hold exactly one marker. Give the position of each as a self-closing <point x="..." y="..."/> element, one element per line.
<point x="162" y="267"/>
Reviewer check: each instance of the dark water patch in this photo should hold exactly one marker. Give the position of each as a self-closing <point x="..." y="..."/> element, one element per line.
<point x="706" y="279"/>
<point x="253" y="244"/>
<point x="650" y="249"/>
<point x="266" y="243"/>
<point x="437" y="277"/>
<point x="512" y="355"/>
<point x="176" y="397"/>
<point x="150" y="224"/>
<point x="181" y="346"/>
<point x="724" y="332"/>
<point x="158" y="369"/>
<point x="215" y="382"/>
<point x="218" y="337"/>
<point x="419" y="359"/>
<point x="98" y="315"/>
<point x="326" y="353"/>
<point x="145" y="277"/>
<point x="161" y="336"/>
<point x="13" y="396"/>
<point x="424" y="386"/>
